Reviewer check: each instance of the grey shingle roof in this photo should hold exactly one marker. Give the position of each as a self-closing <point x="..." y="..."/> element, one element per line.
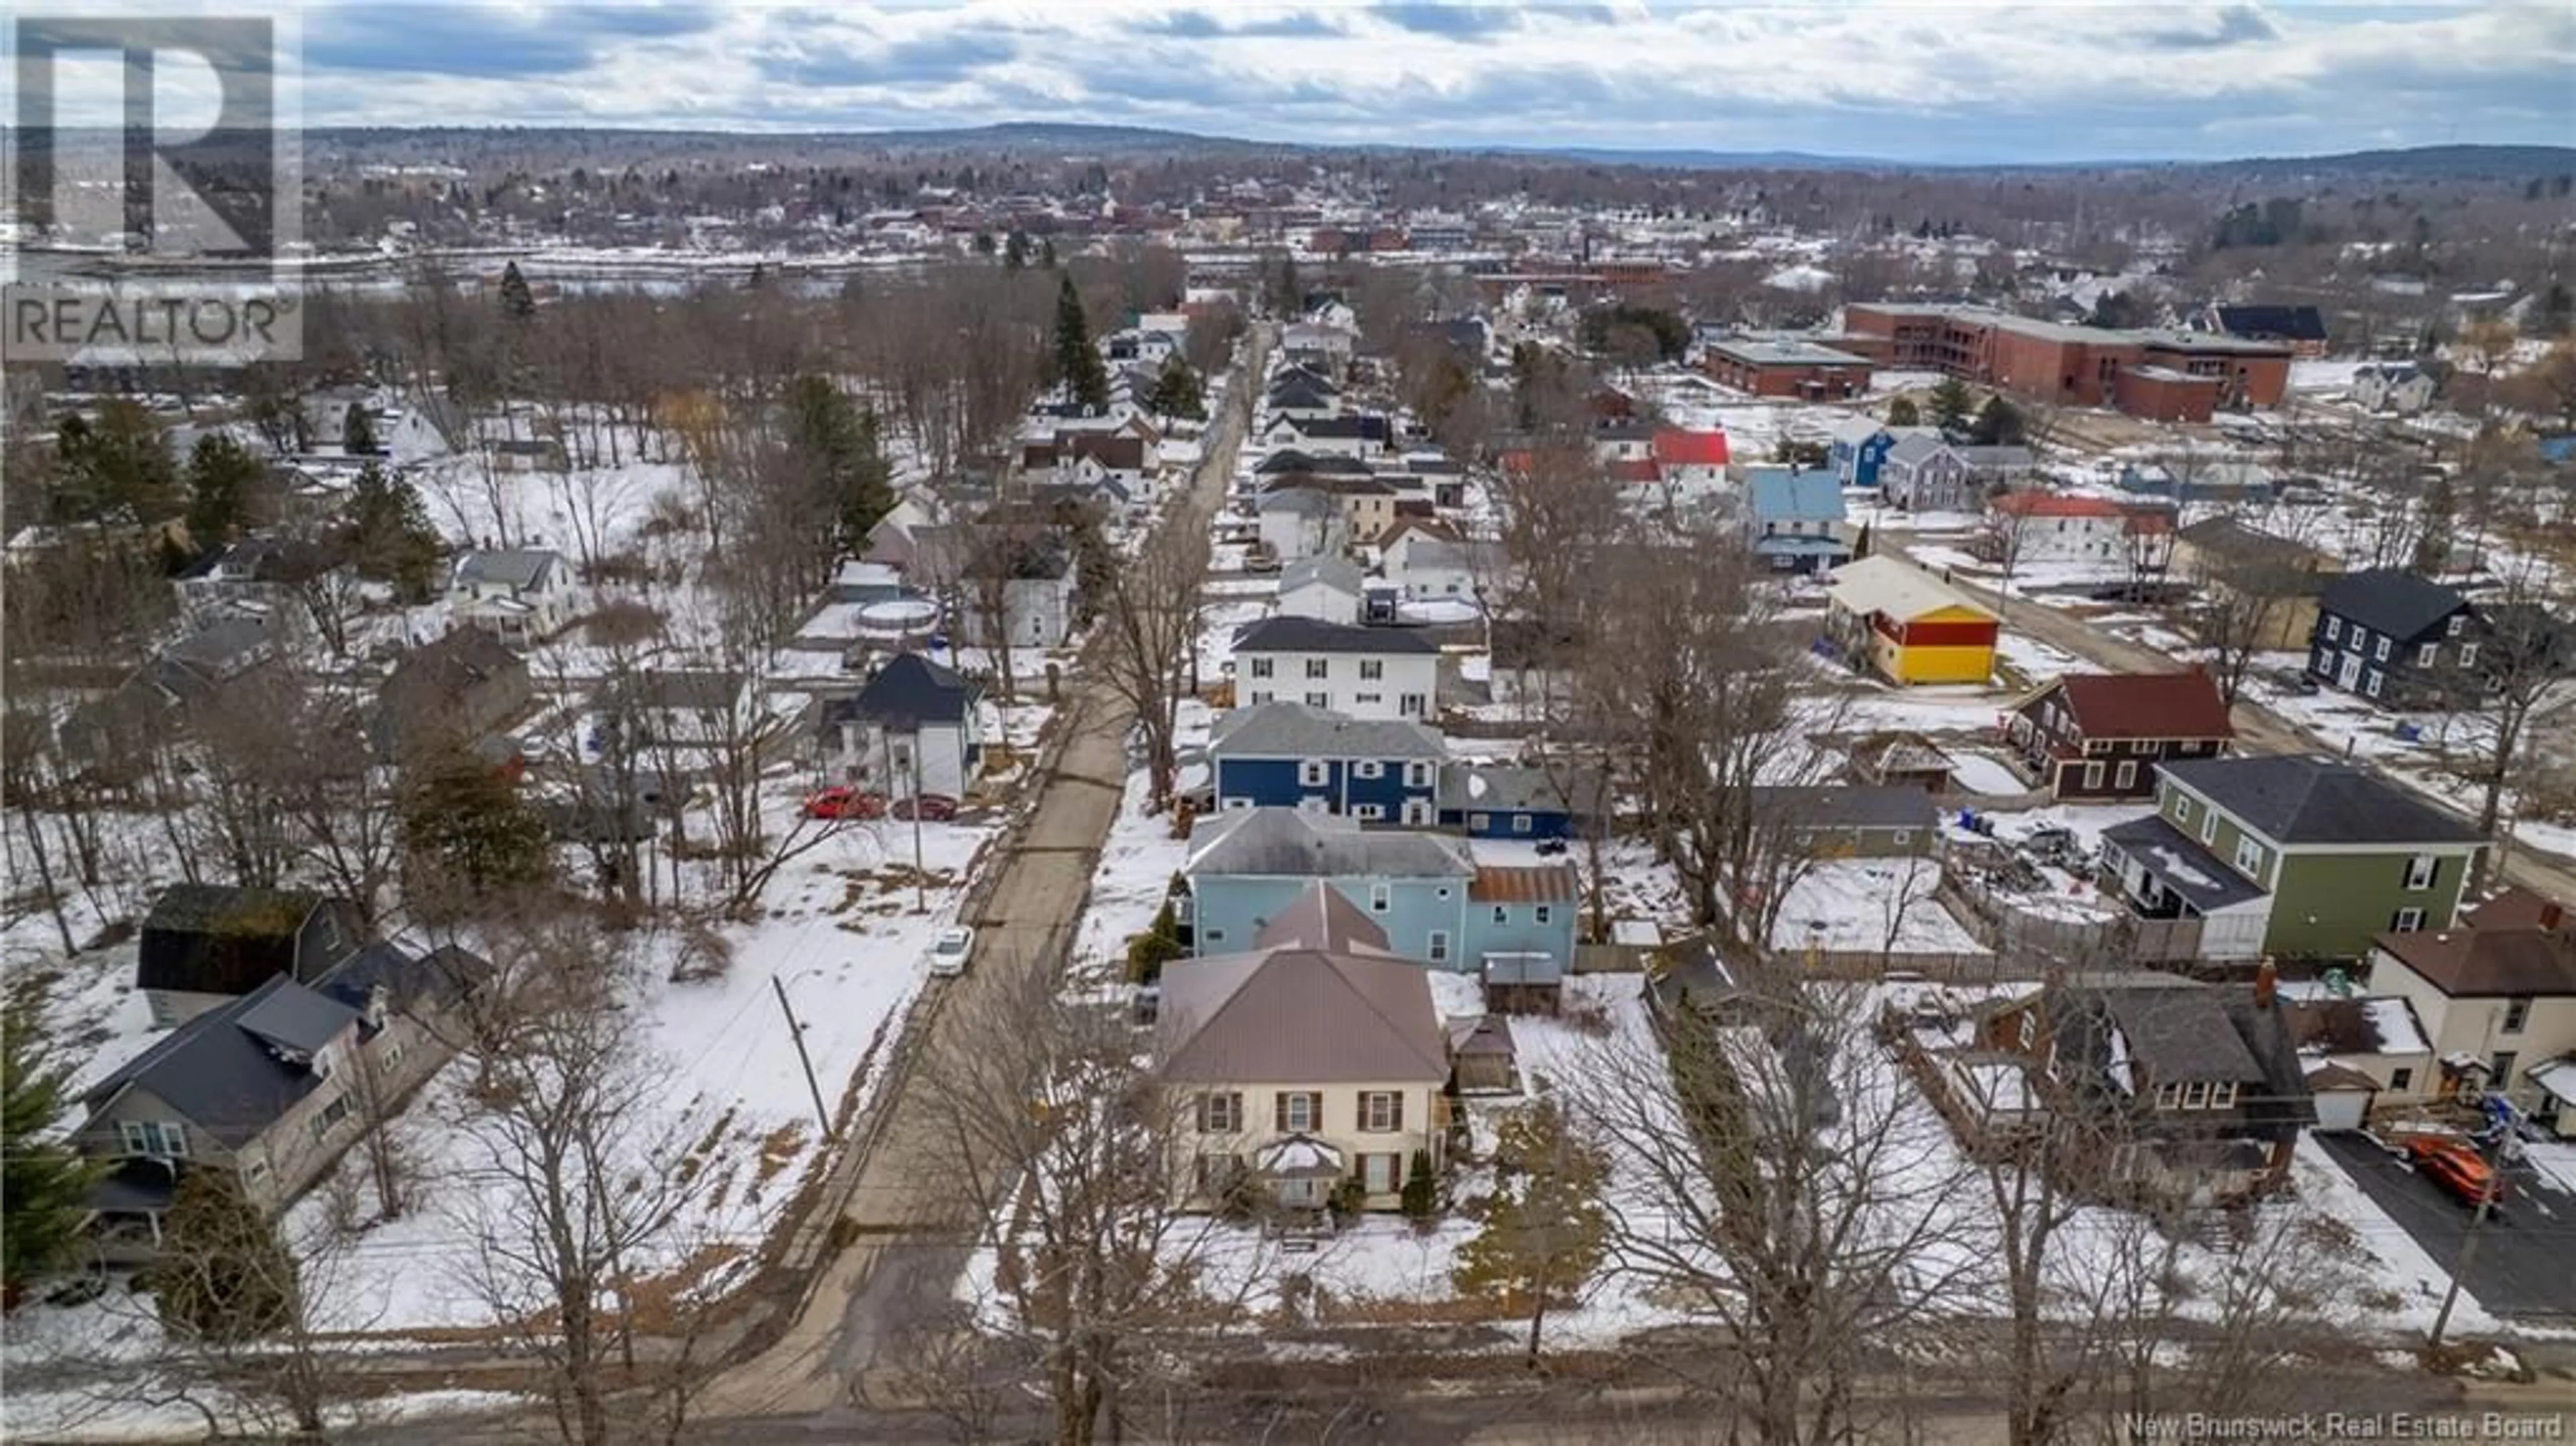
<point x="2300" y="799"/>
<point x="1300" y="1016"/>
<point x="518" y="568"/>
<point x="2390" y="600"/>
<point x="1511" y="788"/>
<point x="1289" y="843"/>
<point x="1330" y="569"/>
<point x="1836" y="805"/>
<point x="294" y="1021"/>
<point x="907" y="692"/>
<point x="1287" y="634"/>
<point x="1287" y="729"/>
<point x="221" y="1074"/>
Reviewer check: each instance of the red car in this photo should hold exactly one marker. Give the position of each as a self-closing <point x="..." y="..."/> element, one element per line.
<point x="2457" y="1167"/>
<point x="844" y="803"/>
<point x="933" y="807"/>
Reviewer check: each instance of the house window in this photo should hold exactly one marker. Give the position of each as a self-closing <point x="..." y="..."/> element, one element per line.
<point x="2195" y="1095"/>
<point x="1262" y="695"/>
<point x="1409" y="705"/>
<point x="2399" y="1079"/>
<point x="2092" y="773"/>
<point x="2334" y="628"/>
<point x="1541" y="914"/>
<point x="1372" y="669"/>
<point x="1901" y="837"/>
<point x="2406" y="921"/>
<point x="2168" y="1096"/>
<point x="2182" y="808"/>
<point x="1368" y="812"/>
<point x="2370" y="685"/>
<point x="255" y="1171"/>
<point x="1437" y="950"/>
<point x="2452" y="628"/>
<point x="2126" y="776"/>
<point x="2223" y="1097"/>
<point x="1319" y="667"/>
<point x="2500" y="1068"/>
<point x="1319" y="700"/>
<point x="2420" y="869"/>
<point x="2517" y="1012"/>
<point x="1377" y="1173"/>
<point x="1520" y="823"/>
<point x="1216" y="1172"/>
<point x="1502" y="914"/>
<point x="2381" y="652"/>
<point x="1417" y="774"/>
<point x="1358" y="699"/>
<point x="1261" y="667"/>
<point x="2425" y="655"/>
<point x="1480" y="821"/>
<point x="1381" y="898"/>
<point x="1381" y="1112"/>
<point x="1297" y="1112"/>
<point x="2468" y="655"/>
<point x="2208" y="825"/>
<point x="1370" y="767"/>
<point x="1311" y="773"/>
<point x="1220" y="1113"/>
<point x="2249" y="857"/>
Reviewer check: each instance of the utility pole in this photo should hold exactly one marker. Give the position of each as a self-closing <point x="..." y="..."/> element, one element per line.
<point x="796" y="1032"/>
<point x="920" y="876"/>
<point x="2468" y="1246"/>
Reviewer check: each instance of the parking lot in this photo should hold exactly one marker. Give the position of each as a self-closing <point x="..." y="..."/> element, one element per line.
<point x="2522" y="1270"/>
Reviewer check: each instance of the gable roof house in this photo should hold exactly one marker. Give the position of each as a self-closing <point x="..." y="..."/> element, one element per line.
<point x="204" y="944"/>
<point x="2289" y="856"/>
<point x="1362" y="672"/>
<point x="1325" y="587"/>
<point x="2403" y="387"/>
<point x="1315" y="1056"/>
<point x="2272" y="582"/>
<point x="913" y="727"/>
<point x="2497" y="996"/>
<point x="1922" y="473"/>
<point x="272" y="1086"/>
<point x="1907" y="625"/>
<point x="2101" y="735"/>
<point x="1288" y="755"/>
<point x="2199" y="1086"/>
<point x="517" y="594"/>
<point x="660" y="712"/>
<point x="1795" y="519"/>
<point x="2396" y="639"/>
<point x="458" y="691"/>
<point x="1295" y="523"/>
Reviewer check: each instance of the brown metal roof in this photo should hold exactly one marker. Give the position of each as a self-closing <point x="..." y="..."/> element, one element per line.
<point x="2488" y="962"/>
<point x="2147" y="705"/>
<point x="1540" y="884"/>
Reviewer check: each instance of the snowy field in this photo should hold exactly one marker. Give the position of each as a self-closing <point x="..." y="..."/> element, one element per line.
<point x="1870" y="906"/>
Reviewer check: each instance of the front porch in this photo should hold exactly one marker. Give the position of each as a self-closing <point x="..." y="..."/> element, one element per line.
<point x="2166" y="878"/>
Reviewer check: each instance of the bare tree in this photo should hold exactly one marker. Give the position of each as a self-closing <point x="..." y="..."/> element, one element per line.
<point x="2246" y="587"/>
<point x="2519" y="657"/>
<point x="1149" y="630"/>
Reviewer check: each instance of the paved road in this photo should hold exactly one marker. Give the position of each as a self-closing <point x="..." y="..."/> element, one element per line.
<point x="2526" y="1264"/>
<point x="909" y="1242"/>
<point x="2258" y="729"/>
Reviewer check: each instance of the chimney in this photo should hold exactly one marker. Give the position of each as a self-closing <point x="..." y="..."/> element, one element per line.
<point x="378" y="997"/>
<point x="2267" y="984"/>
<point x="2552" y="914"/>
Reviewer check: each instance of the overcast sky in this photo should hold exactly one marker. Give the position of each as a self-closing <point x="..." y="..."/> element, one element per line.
<point x="2054" y="82"/>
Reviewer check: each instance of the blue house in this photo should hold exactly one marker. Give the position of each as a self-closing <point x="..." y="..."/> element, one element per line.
<point x="1511" y="801"/>
<point x="1425" y="890"/>
<point x="1858" y="446"/>
<point x="1794" y="519"/>
<point x="1289" y="755"/>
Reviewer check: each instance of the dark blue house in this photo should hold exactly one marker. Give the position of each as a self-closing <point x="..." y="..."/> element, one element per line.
<point x="1858" y="446"/>
<point x="1511" y="801"/>
<point x="1290" y="755"/>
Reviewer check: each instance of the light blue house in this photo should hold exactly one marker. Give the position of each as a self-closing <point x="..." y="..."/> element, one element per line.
<point x="1288" y="755"/>
<point x="1425" y="890"/>
<point x="1794" y="519"/>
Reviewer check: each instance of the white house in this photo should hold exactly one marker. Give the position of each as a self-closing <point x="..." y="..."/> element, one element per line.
<point x="652" y="715"/>
<point x="1325" y="588"/>
<point x="913" y="728"/>
<point x="2049" y="528"/>
<point x="1427" y="563"/>
<point x="2400" y="387"/>
<point x="2497" y="998"/>
<point x="1036" y="598"/>
<point x="1362" y="672"/>
<point x="517" y="594"/>
<point x="1297" y="522"/>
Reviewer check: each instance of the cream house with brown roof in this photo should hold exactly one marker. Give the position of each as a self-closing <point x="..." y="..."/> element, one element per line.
<point x="1314" y="1057"/>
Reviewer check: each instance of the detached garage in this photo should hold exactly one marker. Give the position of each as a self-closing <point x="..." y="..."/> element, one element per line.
<point x="2343" y="1096"/>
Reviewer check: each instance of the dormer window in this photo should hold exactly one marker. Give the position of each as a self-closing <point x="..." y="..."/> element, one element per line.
<point x="2452" y="628"/>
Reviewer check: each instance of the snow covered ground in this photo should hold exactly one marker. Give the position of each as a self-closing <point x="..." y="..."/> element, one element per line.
<point x="1870" y="906"/>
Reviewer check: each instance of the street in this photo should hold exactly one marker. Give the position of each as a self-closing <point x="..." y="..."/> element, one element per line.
<point x="2522" y="1270"/>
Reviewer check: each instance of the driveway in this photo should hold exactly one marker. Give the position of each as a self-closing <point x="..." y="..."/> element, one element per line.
<point x="2522" y="1271"/>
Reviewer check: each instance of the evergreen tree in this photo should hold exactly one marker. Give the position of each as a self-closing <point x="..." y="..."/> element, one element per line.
<point x="1903" y="413"/>
<point x="1420" y="1199"/>
<point x="843" y="444"/>
<point x="1176" y="391"/>
<point x="1046" y="252"/>
<point x="466" y="831"/>
<point x="43" y="1181"/>
<point x="983" y="243"/>
<point x="358" y="431"/>
<point x="1545" y="1228"/>
<point x="517" y="301"/>
<point x="1077" y="361"/>
<point x="390" y="528"/>
<point x="223" y="1275"/>
<point x="1950" y="403"/>
<point x="1287" y="294"/>
<point x="1998" y="424"/>
<point x="117" y="468"/>
<point x="1860" y="544"/>
<point x="1015" y="251"/>
<point x="224" y="482"/>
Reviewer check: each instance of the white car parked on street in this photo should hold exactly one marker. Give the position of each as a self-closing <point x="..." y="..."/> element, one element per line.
<point x="948" y="953"/>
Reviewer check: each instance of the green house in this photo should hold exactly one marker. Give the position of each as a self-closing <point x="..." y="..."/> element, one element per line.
<point x="2286" y="856"/>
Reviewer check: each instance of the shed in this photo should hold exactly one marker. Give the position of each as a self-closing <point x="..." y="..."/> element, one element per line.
<point x="2342" y="1096"/>
<point x="1482" y="1055"/>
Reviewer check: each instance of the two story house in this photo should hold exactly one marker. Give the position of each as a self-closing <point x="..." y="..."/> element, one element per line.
<point x="1922" y="473"/>
<point x="1325" y="588"/>
<point x="272" y="1086"/>
<point x="1428" y="560"/>
<point x="2497" y="991"/>
<point x="914" y="728"/>
<point x="2397" y="639"/>
<point x="2100" y="735"/>
<point x="205" y="945"/>
<point x="517" y="594"/>
<point x="2194" y="1090"/>
<point x="1315" y="1056"/>
<point x="1908" y="626"/>
<point x="1426" y="891"/>
<point x="2270" y="582"/>
<point x="1289" y="755"/>
<point x="1856" y="447"/>
<point x="456" y="692"/>
<point x="2061" y="529"/>
<point x="657" y="715"/>
<point x="1362" y="672"/>
<point x="2284" y="855"/>
<point x="1794" y="519"/>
